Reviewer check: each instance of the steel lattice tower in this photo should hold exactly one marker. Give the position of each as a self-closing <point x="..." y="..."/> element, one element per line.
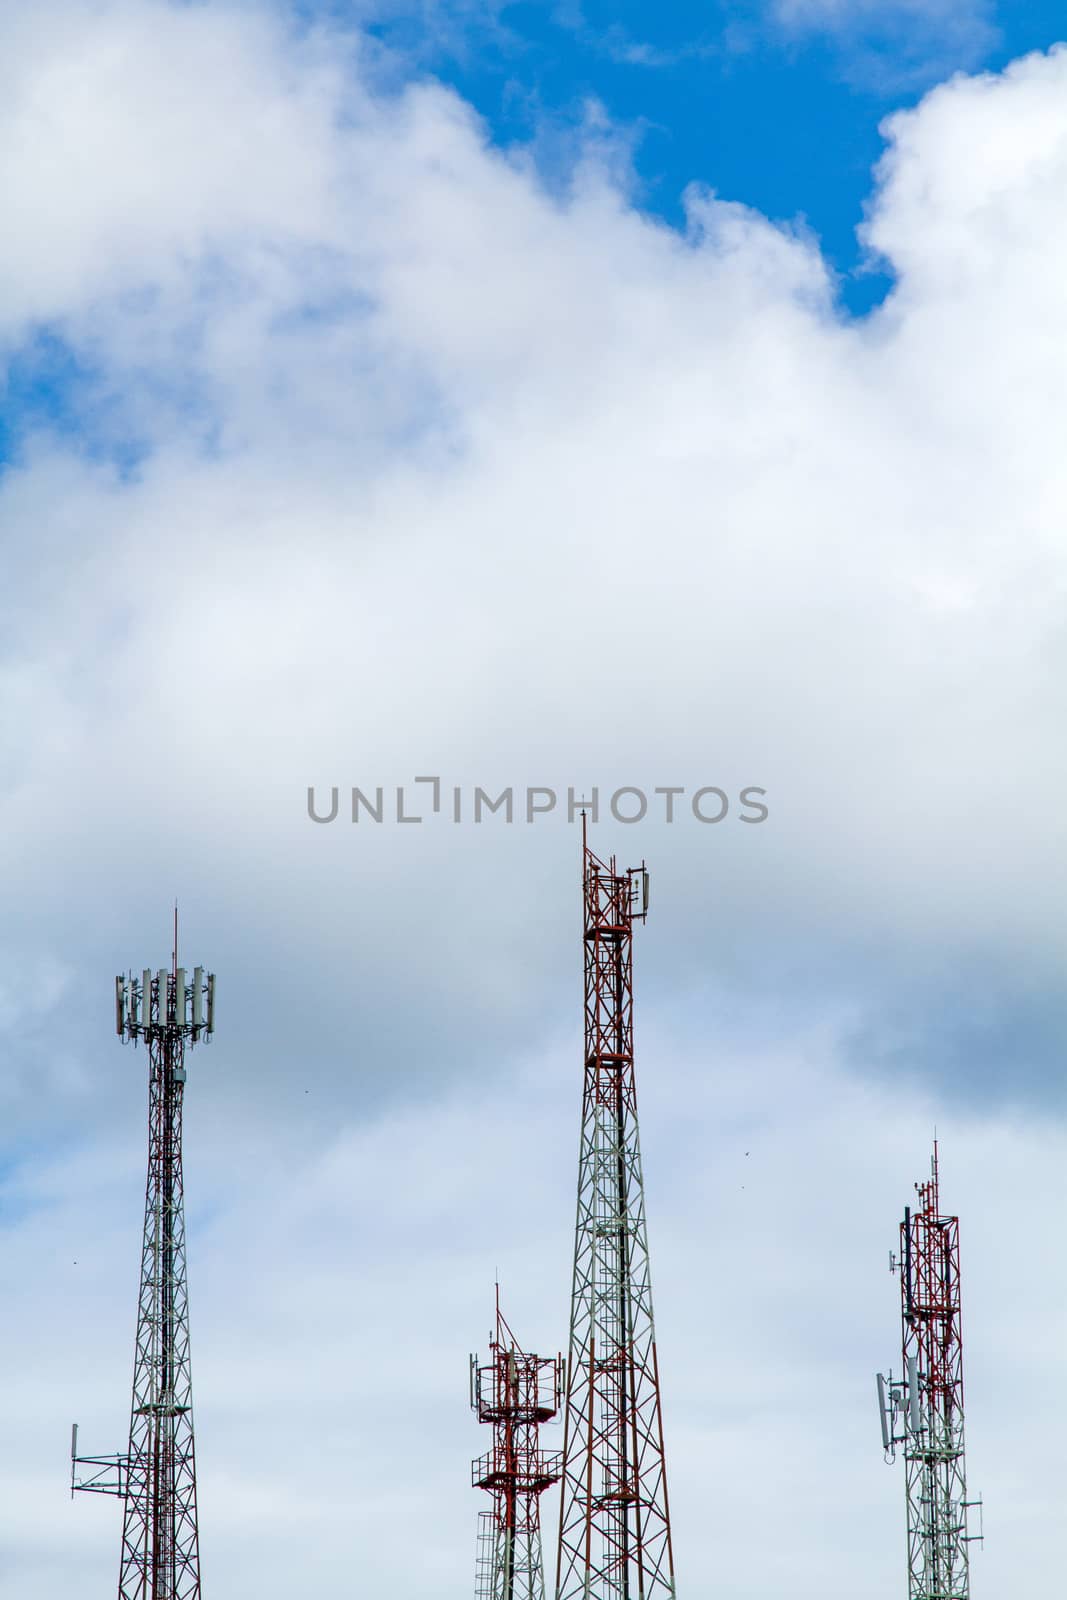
<point x="156" y="1477"/>
<point x="516" y="1392"/>
<point x="615" y="1531"/>
<point x="923" y="1410"/>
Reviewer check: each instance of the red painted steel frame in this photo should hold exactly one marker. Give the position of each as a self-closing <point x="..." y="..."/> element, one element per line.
<point x="517" y="1392"/>
<point x="615" y="1532"/>
<point x="930" y="1297"/>
<point x="938" y="1540"/>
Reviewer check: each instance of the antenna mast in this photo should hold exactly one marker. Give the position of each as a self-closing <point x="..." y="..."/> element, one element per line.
<point x="156" y="1476"/>
<point x="923" y="1410"/>
<point x="516" y="1393"/>
<point x="615" y="1531"/>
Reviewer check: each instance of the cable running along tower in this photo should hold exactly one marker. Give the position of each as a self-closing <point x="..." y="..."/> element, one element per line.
<point x="515" y="1392"/>
<point x="615" y="1531"/>
<point x="156" y="1477"/>
<point x="923" y="1409"/>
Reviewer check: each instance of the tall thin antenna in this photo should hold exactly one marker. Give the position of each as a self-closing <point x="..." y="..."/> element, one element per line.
<point x="615" y="1530"/>
<point x="156" y="1475"/>
<point x="923" y="1410"/>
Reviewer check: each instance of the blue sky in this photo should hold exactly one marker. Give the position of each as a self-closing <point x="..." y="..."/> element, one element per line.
<point x="779" y="115"/>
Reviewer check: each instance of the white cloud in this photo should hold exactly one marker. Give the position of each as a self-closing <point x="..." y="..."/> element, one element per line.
<point x="841" y="12"/>
<point x="137" y="136"/>
<point x="892" y="44"/>
<point x="443" y="473"/>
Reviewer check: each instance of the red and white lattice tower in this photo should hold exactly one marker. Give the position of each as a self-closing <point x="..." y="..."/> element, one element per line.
<point x="156" y="1476"/>
<point x="923" y="1409"/>
<point x="515" y="1392"/>
<point x="615" y="1530"/>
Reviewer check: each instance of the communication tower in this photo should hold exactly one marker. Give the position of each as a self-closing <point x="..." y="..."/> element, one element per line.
<point x="156" y="1475"/>
<point x="515" y="1392"/>
<point x="922" y="1411"/>
<point x="615" y="1529"/>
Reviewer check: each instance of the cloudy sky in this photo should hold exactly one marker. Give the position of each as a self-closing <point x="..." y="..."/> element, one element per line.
<point x="554" y="396"/>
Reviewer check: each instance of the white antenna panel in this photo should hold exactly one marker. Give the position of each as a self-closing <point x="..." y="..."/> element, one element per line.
<point x="914" y="1413"/>
<point x="882" y="1418"/>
